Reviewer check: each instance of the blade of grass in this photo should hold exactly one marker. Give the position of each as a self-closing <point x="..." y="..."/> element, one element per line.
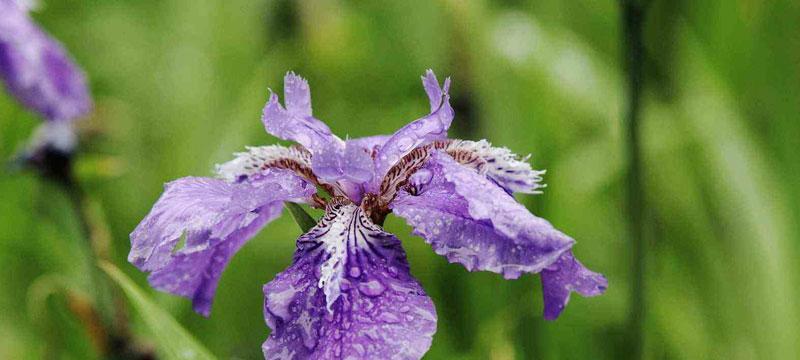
<point x="172" y="340"/>
<point x="301" y="217"/>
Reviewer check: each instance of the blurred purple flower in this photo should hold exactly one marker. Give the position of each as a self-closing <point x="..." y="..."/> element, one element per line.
<point x="37" y="70"/>
<point x="349" y="292"/>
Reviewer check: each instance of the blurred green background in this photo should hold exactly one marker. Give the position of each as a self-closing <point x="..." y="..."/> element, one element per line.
<point x="179" y="86"/>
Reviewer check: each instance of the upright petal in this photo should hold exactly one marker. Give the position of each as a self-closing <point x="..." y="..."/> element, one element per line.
<point x="565" y="276"/>
<point x="348" y="295"/>
<point x="351" y="163"/>
<point x="429" y="128"/>
<point x="217" y="218"/>
<point x="295" y="123"/>
<point x="37" y="70"/>
<point x="435" y="93"/>
<point x="369" y="143"/>
<point x="297" y="95"/>
<point x="472" y="221"/>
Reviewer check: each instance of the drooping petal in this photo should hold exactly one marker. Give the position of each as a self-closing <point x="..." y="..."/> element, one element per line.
<point x="429" y="128"/>
<point x="565" y="276"/>
<point x="217" y="218"/>
<point x="497" y="164"/>
<point x="472" y="221"/>
<point x="195" y="274"/>
<point x="37" y="70"/>
<point x="348" y="295"/>
<point x="295" y="122"/>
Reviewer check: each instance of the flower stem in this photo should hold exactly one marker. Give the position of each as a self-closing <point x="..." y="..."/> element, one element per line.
<point x="109" y="329"/>
<point x="108" y="304"/>
<point x="632" y="21"/>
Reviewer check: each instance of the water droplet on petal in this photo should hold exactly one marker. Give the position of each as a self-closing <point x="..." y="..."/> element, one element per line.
<point x="392" y="271"/>
<point x="388" y="317"/>
<point x="371" y="288"/>
<point x="405" y="144"/>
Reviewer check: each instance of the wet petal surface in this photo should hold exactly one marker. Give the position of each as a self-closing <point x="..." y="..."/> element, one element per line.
<point x="217" y="217"/>
<point x="565" y="276"/>
<point x="295" y="122"/>
<point x="348" y="295"/>
<point x="418" y="132"/>
<point x="370" y="144"/>
<point x="472" y="221"/>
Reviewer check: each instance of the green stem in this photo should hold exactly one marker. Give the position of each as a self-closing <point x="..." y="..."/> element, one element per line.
<point x="117" y="342"/>
<point x="102" y="302"/>
<point x="632" y="21"/>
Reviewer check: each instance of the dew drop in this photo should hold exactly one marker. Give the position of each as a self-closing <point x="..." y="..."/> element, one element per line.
<point x="392" y="271"/>
<point x="405" y="144"/>
<point x="388" y="317"/>
<point x="371" y="288"/>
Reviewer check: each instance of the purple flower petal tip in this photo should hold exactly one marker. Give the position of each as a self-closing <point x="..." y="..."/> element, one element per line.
<point x="565" y="276"/>
<point x="294" y="122"/>
<point x="432" y="127"/>
<point x="297" y="94"/>
<point x="37" y="70"/>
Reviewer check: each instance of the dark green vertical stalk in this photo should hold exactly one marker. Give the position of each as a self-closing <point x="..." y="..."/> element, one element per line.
<point x="108" y="315"/>
<point x="633" y="53"/>
<point x="109" y="307"/>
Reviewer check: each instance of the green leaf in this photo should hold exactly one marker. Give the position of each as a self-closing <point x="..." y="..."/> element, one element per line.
<point x="172" y="340"/>
<point x="301" y="217"/>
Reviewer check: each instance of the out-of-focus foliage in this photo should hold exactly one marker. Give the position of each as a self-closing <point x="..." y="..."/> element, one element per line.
<point x="179" y="86"/>
<point x="172" y="340"/>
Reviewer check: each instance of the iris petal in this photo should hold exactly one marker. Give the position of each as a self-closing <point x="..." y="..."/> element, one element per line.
<point x="418" y="132"/>
<point x="37" y="70"/>
<point x="565" y="276"/>
<point x="295" y="122"/>
<point x="348" y="294"/>
<point x="472" y="221"/>
<point x="217" y="218"/>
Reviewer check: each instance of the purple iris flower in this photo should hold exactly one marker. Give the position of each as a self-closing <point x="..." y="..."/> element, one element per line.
<point x="349" y="292"/>
<point x="37" y="70"/>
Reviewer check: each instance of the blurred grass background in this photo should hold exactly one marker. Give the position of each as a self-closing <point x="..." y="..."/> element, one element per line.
<point x="180" y="84"/>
